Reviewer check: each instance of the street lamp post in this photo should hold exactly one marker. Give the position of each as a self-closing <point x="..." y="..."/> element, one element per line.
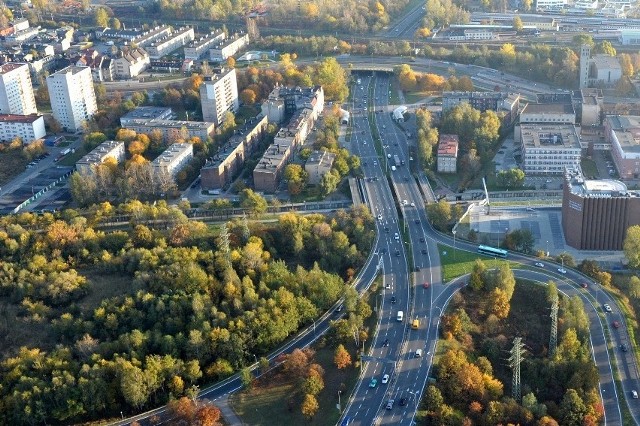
<point x="547" y="248"/>
<point x="454" y="243"/>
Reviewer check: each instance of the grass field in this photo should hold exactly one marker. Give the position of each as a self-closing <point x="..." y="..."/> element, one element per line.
<point x="457" y="262"/>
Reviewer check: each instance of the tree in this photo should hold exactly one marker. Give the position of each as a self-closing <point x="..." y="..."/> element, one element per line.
<point x="499" y="303"/>
<point x="296" y="178"/>
<point x="333" y="79"/>
<point x="572" y="409"/>
<point x="246" y="377"/>
<point x="309" y="406"/>
<point x="101" y="17"/>
<point x="329" y="182"/>
<point x="433" y="399"/>
<point x="252" y="201"/>
<point x="341" y="358"/>
<point x="631" y="246"/>
<point x="634" y="287"/>
<point x="313" y="384"/>
<point x="512" y="178"/>
<point x="476" y="280"/>
<point x="517" y="23"/>
<point x="582" y="39"/>
<point x="115" y="23"/>
<point x="92" y="140"/>
<point x="440" y="214"/>
<point x="606" y="48"/>
<point x="248" y="96"/>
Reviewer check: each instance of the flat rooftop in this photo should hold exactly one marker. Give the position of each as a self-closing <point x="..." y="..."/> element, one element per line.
<point x="601" y="188"/>
<point x="10" y="66"/>
<point x="549" y="136"/>
<point x="551" y="108"/>
<point x="147" y="112"/>
<point x="15" y="118"/>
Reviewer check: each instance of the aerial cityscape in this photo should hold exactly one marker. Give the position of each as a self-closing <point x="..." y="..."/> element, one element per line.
<point x="311" y="213"/>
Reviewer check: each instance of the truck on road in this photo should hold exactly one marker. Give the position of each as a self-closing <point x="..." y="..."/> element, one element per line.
<point x="397" y="160"/>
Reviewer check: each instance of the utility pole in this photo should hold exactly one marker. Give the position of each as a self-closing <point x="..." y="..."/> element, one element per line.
<point x="517" y="353"/>
<point x="553" y="339"/>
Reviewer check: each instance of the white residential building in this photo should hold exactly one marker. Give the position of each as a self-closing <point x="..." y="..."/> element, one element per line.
<point x="228" y="47"/>
<point x="173" y="159"/>
<point x="130" y="63"/>
<point x="16" y="91"/>
<point x="168" y="44"/>
<point x="199" y="47"/>
<point x="149" y="36"/>
<point x="29" y="128"/>
<point x="549" y="148"/>
<point x="219" y="94"/>
<point x="73" y="99"/>
<point x="107" y="149"/>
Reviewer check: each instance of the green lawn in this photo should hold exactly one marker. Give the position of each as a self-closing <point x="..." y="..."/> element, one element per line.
<point x="589" y="167"/>
<point x="457" y="262"/>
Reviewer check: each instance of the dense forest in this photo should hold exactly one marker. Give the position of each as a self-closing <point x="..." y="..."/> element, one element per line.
<point x="473" y="377"/>
<point x="93" y="323"/>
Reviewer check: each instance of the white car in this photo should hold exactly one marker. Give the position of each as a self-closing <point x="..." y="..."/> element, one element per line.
<point x="607" y="307"/>
<point x="634" y="394"/>
<point x="413" y="204"/>
<point x="379" y="217"/>
<point x="385" y="379"/>
<point x="539" y="264"/>
<point x="562" y="270"/>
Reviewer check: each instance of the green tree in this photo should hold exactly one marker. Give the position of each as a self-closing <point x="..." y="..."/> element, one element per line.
<point x="440" y="214"/>
<point x="512" y="178"/>
<point x="476" y="280"/>
<point x="329" y="182"/>
<point x="92" y="140"/>
<point x="572" y="409"/>
<point x="517" y="23"/>
<point x="296" y="178"/>
<point x="582" y="39"/>
<point x="333" y="78"/>
<point x="631" y="246"/>
<point x="246" y="377"/>
<point x="313" y="384"/>
<point x="606" y="48"/>
<point x="433" y="398"/>
<point x="634" y="287"/>
<point x="252" y="201"/>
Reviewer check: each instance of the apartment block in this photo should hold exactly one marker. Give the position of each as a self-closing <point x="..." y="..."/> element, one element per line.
<point x="147" y="119"/>
<point x="448" y="153"/>
<point x="220" y="170"/>
<point x="284" y="101"/>
<point x="219" y="94"/>
<point x="104" y="151"/>
<point x="173" y="159"/>
<point x="229" y="47"/>
<point x="319" y="164"/>
<point x="73" y="99"/>
<point x="199" y="47"/>
<point x="29" y="128"/>
<point x="130" y="63"/>
<point x="622" y="132"/>
<point x="481" y="101"/>
<point x="16" y="91"/>
<point x="163" y="46"/>
<point x="549" y="148"/>
<point x="147" y="37"/>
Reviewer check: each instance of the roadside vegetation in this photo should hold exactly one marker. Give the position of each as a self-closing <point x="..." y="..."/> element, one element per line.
<point x="472" y="378"/>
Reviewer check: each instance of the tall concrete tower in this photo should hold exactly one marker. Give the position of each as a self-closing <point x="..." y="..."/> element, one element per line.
<point x="585" y="55"/>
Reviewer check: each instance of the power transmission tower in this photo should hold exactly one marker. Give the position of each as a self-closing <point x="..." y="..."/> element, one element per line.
<point x="252" y="28"/>
<point x="517" y="354"/>
<point x="224" y="244"/>
<point x="553" y="339"/>
<point x="246" y="232"/>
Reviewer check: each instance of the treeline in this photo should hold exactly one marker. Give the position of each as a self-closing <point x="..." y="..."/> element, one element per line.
<point x="194" y="304"/>
<point x="471" y="378"/>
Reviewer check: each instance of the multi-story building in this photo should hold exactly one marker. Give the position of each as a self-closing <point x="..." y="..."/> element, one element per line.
<point x="597" y="213"/>
<point x="219" y="94"/>
<point x="599" y="70"/>
<point x="16" y="91"/>
<point x="147" y="113"/>
<point x="146" y="38"/>
<point x="550" y="4"/>
<point x="267" y="173"/>
<point x="147" y="119"/>
<point x="549" y="148"/>
<point x="229" y="47"/>
<point x="318" y="164"/>
<point x="107" y="149"/>
<point x="622" y="132"/>
<point x="163" y="46"/>
<point x="284" y="101"/>
<point x="481" y="101"/>
<point x="200" y="46"/>
<point x="173" y="159"/>
<point x="130" y="63"/>
<point x="225" y="165"/>
<point x="73" y="99"/>
<point x="19" y="37"/>
<point x="29" y="128"/>
<point x="547" y="113"/>
<point x="448" y="153"/>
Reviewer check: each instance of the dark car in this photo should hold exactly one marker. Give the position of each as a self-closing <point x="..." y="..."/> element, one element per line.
<point x="417" y="221"/>
<point x="385" y="343"/>
<point x="422" y="239"/>
<point x="393" y="299"/>
<point x="624" y="347"/>
<point x="403" y="402"/>
<point x="424" y="251"/>
<point x="398" y="253"/>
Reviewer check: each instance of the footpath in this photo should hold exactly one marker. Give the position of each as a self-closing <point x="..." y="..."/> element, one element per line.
<point x="230" y="416"/>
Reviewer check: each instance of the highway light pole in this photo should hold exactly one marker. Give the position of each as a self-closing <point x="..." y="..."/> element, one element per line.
<point x="454" y="243"/>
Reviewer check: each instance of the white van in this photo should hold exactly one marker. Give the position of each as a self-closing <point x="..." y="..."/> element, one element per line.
<point x="393" y="168"/>
<point x="418" y="353"/>
<point x="400" y="316"/>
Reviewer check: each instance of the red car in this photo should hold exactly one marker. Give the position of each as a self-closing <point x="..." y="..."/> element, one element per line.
<point x="425" y="284"/>
<point x="616" y="324"/>
<point x="585" y="285"/>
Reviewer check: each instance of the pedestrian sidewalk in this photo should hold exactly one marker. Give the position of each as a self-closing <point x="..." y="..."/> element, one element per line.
<point x="230" y="416"/>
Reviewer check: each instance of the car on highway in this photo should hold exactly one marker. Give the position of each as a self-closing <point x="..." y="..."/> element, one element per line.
<point x="398" y="253"/>
<point x="393" y="299"/>
<point x="379" y="217"/>
<point x="390" y="404"/>
<point x="624" y="347"/>
<point x="422" y="239"/>
<point x="607" y="307"/>
<point x="396" y="236"/>
<point x="413" y="204"/>
<point x="562" y="270"/>
<point x="375" y="163"/>
<point x="402" y="402"/>
<point x="539" y="264"/>
<point x="584" y="285"/>
<point x="385" y="379"/>
<point x="616" y="324"/>
<point x="424" y="251"/>
<point x="373" y="383"/>
<point x="634" y="394"/>
<point x="425" y="284"/>
<point x="385" y="343"/>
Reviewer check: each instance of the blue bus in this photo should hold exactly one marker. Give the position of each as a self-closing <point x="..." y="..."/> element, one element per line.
<point x="492" y="251"/>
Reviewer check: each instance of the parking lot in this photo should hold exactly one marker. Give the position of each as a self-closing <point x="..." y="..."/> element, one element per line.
<point x="43" y="191"/>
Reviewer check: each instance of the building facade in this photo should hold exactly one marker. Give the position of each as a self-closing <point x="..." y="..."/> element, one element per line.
<point x="199" y="47"/>
<point x="220" y="170"/>
<point x="163" y="46"/>
<point x="29" y="128"/>
<point x="130" y="63"/>
<point x="597" y="213"/>
<point x="173" y="159"/>
<point x="319" y="164"/>
<point x="147" y="119"/>
<point x="481" y="101"/>
<point x="549" y="149"/>
<point x="448" y="154"/>
<point x="622" y="133"/>
<point x="147" y="37"/>
<point x="219" y="94"/>
<point x="73" y="99"/>
<point x="16" y="91"/>
<point x="229" y="47"/>
<point x="107" y="149"/>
